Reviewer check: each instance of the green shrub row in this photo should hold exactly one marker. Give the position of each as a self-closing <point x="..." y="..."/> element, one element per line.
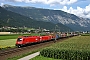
<point x="65" y="54"/>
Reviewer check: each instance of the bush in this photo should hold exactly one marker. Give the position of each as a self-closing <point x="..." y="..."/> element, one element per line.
<point x="65" y="54"/>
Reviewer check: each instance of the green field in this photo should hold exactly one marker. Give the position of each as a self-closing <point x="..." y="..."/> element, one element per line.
<point x="7" y="43"/>
<point x="75" y="47"/>
<point x="75" y="43"/>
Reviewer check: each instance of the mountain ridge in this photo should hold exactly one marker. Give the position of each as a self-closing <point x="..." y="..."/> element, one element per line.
<point x="8" y="18"/>
<point x="54" y="16"/>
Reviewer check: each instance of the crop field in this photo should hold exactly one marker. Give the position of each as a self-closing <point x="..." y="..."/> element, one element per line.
<point x="9" y="40"/>
<point x="76" y="48"/>
<point x="75" y="43"/>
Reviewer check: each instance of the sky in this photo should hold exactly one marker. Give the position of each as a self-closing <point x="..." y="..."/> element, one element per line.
<point x="80" y="8"/>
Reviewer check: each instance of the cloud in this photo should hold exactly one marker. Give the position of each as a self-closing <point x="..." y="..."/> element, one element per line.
<point x="82" y="12"/>
<point x="50" y="2"/>
<point x="68" y="2"/>
<point x="1" y="4"/>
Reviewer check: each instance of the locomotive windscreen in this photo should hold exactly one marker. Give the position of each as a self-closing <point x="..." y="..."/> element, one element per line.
<point x="19" y="39"/>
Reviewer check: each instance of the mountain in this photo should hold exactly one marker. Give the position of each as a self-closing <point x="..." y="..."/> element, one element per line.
<point x="54" y="16"/>
<point x="8" y="18"/>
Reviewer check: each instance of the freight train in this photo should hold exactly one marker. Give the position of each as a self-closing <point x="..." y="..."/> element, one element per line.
<point x="25" y="40"/>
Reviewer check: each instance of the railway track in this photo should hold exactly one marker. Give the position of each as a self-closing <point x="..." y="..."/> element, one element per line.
<point x="19" y="51"/>
<point x="9" y="52"/>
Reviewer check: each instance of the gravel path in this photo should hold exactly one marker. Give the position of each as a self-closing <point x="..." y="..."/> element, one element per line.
<point x="30" y="56"/>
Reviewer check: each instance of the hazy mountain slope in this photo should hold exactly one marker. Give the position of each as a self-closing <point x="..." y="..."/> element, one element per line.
<point x="8" y="18"/>
<point x="54" y="16"/>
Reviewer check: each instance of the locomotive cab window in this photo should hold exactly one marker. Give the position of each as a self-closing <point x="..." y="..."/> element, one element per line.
<point x="19" y="39"/>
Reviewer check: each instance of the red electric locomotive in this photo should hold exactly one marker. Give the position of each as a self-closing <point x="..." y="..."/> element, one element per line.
<point x="24" y="40"/>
